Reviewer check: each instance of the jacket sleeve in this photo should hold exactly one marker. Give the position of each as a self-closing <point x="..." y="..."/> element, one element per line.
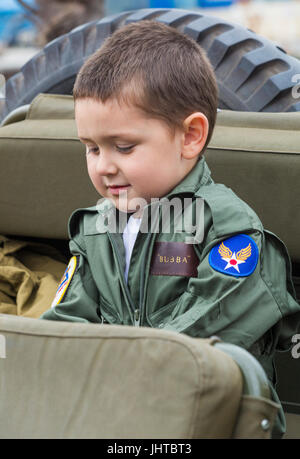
<point x="241" y="310"/>
<point x="79" y="301"/>
<point x="258" y="312"/>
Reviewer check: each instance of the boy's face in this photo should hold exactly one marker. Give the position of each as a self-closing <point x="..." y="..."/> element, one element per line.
<point x="129" y="155"/>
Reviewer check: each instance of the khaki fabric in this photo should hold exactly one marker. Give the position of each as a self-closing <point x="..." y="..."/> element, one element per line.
<point x="91" y="381"/>
<point x="29" y="276"/>
<point x="255" y="418"/>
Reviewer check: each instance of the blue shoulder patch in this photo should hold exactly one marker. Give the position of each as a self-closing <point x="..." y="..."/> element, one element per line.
<point x="236" y="256"/>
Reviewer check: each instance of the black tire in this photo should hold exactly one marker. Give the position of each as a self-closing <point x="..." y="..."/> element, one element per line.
<point x="253" y="73"/>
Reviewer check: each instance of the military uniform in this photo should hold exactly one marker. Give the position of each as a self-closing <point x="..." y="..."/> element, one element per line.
<point x="228" y="277"/>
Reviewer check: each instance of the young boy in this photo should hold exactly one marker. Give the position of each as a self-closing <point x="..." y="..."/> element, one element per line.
<point x="145" y="107"/>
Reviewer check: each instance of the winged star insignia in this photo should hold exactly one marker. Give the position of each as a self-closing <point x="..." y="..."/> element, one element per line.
<point x="236" y="256"/>
<point x="233" y="260"/>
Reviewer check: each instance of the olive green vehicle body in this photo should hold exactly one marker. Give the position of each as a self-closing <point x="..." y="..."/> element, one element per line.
<point x="43" y="179"/>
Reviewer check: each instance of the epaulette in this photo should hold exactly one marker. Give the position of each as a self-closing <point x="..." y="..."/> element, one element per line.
<point x="230" y="214"/>
<point x="76" y="217"/>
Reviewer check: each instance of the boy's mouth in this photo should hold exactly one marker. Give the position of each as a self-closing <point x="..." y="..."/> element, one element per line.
<point x="116" y="189"/>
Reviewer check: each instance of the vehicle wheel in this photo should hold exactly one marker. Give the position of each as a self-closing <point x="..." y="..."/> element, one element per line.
<point x="253" y="73"/>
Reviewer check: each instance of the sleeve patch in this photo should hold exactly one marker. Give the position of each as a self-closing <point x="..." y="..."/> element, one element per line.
<point x="236" y="256"/>
<point x="65" y="281"/>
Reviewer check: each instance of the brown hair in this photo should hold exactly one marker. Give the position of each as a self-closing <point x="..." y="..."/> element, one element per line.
<point x="154" y="67"/>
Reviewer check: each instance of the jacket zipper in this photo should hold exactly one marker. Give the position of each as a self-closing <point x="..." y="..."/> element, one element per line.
<point x="134" y="318"/>
<point x="137" y="312"/>
<point x="137" y="318"/>
<point x="142" y="294"/>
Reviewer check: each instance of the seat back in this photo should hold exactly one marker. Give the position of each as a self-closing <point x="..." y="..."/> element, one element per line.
<point x="43" y="175"/>
<point x="85" y="381"/>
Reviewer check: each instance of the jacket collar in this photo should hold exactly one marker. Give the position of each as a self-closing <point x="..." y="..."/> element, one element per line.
<point x="199" y="176"/>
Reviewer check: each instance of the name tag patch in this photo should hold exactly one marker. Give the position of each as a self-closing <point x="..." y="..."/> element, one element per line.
<point x="174" y="259"/>
<point x="65" y="281"/>
<point x="236" y="256"/>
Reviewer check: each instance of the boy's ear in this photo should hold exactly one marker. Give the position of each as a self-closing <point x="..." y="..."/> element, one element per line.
<point x="195" y="134"/>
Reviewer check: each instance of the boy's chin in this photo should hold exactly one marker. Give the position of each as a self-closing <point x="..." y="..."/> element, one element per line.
<point x="127" y="208"/>
<point x="136" y="212"/>
<point x="130" y="206"/>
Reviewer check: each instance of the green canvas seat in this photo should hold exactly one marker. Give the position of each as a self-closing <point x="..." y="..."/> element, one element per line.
<point x="85" y="381"/>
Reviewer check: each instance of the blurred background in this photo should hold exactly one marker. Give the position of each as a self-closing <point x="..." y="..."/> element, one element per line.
<point x="28" y="25"/>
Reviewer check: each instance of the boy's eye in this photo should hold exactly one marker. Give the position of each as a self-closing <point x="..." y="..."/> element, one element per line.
<point x="124" y="149"/>
<point x="92" y="149"/>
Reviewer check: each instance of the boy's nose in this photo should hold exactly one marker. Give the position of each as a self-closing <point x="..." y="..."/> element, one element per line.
<point x="105" y="165"/>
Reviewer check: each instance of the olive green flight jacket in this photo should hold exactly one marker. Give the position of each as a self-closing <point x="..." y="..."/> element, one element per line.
<point x="171" y="282"/>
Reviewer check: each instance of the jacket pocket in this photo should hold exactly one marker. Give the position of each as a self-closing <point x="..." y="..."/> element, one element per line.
<point x="158" y="319"/>
<point x="108" y="314"/>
